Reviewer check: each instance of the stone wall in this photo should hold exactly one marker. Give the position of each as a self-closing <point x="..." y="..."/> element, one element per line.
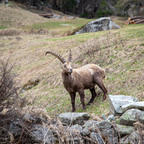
<point x="124" y="125"/>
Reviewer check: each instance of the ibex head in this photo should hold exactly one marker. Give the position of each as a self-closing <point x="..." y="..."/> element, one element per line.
<point x="66" y="65"/>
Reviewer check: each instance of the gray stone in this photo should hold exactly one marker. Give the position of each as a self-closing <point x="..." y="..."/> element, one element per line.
<point x="75" y="140"/>
<point x="15" y="127"/>
<point x="56" y="16"/>
<point x="113" y="25"/>
<point x="85" y="132"/>
<point x="101" y="24"/>
<point x="107" y="130"/>
<point x="111" y="118"/>
<point x="73" y="118"/>
<point x="117" y="101"/>
<point x="96" y="138"/>
<point x="103" y="117"/>
<point x="75" y="134"/>
<point x="131" y="116"/>
<point x="42" y="134"/>
<point x="133" y="138"/>
<point x="75" y="129"/>
<point x="136" y="105"/>
<point x="124" y="130"/>
<point x="90" y="123"/>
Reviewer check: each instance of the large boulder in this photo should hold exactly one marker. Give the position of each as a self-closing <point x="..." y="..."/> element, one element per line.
<point x="116" y="102"/>
<point x="101" y="24"/>
<point x="73" y="118"/>
<point x="131" y="116"/>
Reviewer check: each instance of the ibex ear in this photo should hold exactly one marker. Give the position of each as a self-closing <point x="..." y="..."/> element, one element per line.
<point x="70" y="56"/>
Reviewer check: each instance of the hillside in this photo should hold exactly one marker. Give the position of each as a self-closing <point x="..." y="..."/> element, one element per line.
<point x="120" y="52"/>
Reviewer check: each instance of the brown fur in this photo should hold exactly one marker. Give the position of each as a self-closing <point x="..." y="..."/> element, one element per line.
<point x="77" y="80"/>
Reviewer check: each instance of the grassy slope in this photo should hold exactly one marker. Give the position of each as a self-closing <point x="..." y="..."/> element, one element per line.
<point x="120" y="52"/>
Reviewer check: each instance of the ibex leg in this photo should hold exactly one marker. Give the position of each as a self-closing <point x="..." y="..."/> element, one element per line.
<point x="92" y="90"/>
<point x="102" y="87"/>
<point x="81" y="93"/>
<point x="72" y="95"/>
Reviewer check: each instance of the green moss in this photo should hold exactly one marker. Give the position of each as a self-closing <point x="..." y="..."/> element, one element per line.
<point x="117" y="121"/>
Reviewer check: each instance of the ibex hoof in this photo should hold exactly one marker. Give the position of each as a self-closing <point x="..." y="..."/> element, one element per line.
<point x="73" y="111"/>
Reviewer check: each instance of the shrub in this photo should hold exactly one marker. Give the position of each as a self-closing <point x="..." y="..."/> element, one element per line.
<point x="8" y="89"/>
<point x="69" y="5"/>
<point x="102" y="13"/>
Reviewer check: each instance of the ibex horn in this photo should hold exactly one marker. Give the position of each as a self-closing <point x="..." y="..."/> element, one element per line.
<point x="70" y="56"/>
<point x="56" y="55"/>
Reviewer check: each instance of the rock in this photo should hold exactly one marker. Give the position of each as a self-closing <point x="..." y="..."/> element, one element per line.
<point x="75" y="134"/>
<point x="42" y="134"/>
<point x="124" y="130"/>
<point x="96" y="138"/>
<point x="133" y="138"/>
<point x="85" y="132"/>
<point x="15" y="128"/>
<point x="113" y="25"/>
<point x="117" y="101"/>
<point x="103" y="117"/>
<point x="107" y="130"/>
<point x="75" y="140"/>
<point x="90" y="123"/>
<point x="136" y="105"/>
<point x="28" y="118"/>
<point x="111" y="118"/>
<point x="73" y="118"/>
<point x="133" y="10"/>
<point x="101" y="24"/>
<point x="56" y="16"/>
<point x="131" y="116"/>
<point x="6" y="137"/>
<point x="75" y="129"/>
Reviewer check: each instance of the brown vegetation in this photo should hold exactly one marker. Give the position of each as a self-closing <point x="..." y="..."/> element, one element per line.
<point x="8" y="90"/>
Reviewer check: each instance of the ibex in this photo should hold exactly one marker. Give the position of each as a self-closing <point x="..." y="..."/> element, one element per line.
<point x="77" y="80"/>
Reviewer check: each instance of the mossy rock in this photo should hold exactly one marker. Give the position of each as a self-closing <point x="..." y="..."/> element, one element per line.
<point x="131" y="116"/>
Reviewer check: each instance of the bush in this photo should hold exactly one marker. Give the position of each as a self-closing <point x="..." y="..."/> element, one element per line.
<point x="69" y="5"/>
<point x="102" y="13"/>
<point x="8" y="89"/>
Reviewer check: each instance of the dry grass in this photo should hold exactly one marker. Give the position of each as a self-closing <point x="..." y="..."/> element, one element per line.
<point x="17" y="17"/>
<point x="121" y="58"/>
